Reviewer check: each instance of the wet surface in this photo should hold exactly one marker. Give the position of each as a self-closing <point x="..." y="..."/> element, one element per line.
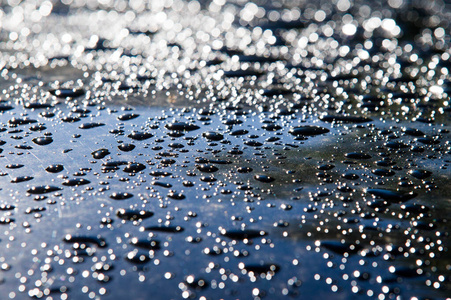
<point x="224" y="150"/>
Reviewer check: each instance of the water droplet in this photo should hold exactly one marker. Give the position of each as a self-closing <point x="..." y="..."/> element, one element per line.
<point x="326" y="167"/>
<point x="21" y="179"/>
<point x="350" y="176"/>
<point x="6" y="220"/>
<point x="21" y="121"/>
<point x="261" y="268"/>
<point x="207" y="168"/>
<point x="54" y="168"/>
<point x="91" y="125"/>
<point x="242" y="234"/>
<point x="253" y="143"/>
<point x="6" y="207"/>
<point x="140" y="136"/>
<point x="345" y="119"/>
<point x="341" y="248"/>
<point x="181" y="126"/>
<point x="165" y="229"/>
<point x="120" y="196"/>
<point x="271" y="127"/>
<point x="43" y="189"/>
<point x="383" y="172"/>
<point x="264" y="178"/>
<point x="163" y="184"/>
<point x="392" y="196"/>
<point x="160" y="173"/>
<point x="176" y="196"/>
<point x="37" y="105"/>
<point x="67" y="93"/>
<point x="14" y="166"/>
<point x="70" y="119"/>
<point x="134" y="168"/>
<point x="239" y="132"/>
<point x="42" y="141"/>
<point x="420" y="174"/>
<point x="5" y="107"/>
<point x="82" y="239"/>
<point x="357" y="155"/>
<point x="38" y="127"/>
<point x="133" y="215"/>
<point x="412" y="131"/>
<point x="126" y="147"/>
<point x="127" y="117"/>
<point x="308" y="130"/>
<point x="145" y="243"/>
<point x="213" y="136"/>
<point x="75" y="182"/>
<point x="243" y="73"/>
<point x="100" y="153"/>
<point x="137" y="257"/>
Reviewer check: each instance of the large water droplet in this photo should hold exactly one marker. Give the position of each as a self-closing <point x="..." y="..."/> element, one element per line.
<point x="308" y="130"/>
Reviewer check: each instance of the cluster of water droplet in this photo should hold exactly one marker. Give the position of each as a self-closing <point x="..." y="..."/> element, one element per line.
<point x="221" y="149"/>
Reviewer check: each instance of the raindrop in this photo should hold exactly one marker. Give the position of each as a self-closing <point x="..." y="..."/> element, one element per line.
<point x="140" y="136"/>
<point x="137" y="257"/>
<point x="76" y="182"/>
<point x="350" y="176"/>
<point x="341" y="248"/>
<point x="395" y="145"/>
<point x="263" y="178"/>
<point x="42" y="189"/>
<point x="176" y="196"/>
<point x="36" y="105"/>
<point x="239" y="132"/>
<point x="272" y="127"/>
<point x="91" y="125"/>
<point x="21" y="179"/>
<point x="213" y="136"/>
<point x="21" y="121"/>
<point x="132" y="215"/>
<point x="126" y="147"/>
<point x="308" y="130"/>
<point x="253" y="143"/>
<point x="160" y="173"/>
<point x="181" y="126"/>
<point x="134" y="168"/>
<point x="261" y="268"/>
<point x="383" y="172"/>
<point x="120" y="196"/>
<point x="242" y="73"/>
<point x="42" y="141"/>
<point x="67" y="93"/>
<point x="412" y="131"/>
<point x="5" y="107"/>
<point x="127" y="117"/>
<point x="70" y="119"/>
<point x="145" y="243"/>
<point x="38" y="127"/>
<point x="242" y="234"/>
<point x="345" y="119"/>
<point x="326" y="167"/>
<point x="82" y="239"/>
<point x="420" y="174"/>
<point x="100" y="153"/>
<point x="357" y="155"/>
<point x="392" y="196"/>
<point x="165" y="229"/>
<point x="14" y="166"/>
<point x="163" y="184"/>
<point x="207" y="168"/>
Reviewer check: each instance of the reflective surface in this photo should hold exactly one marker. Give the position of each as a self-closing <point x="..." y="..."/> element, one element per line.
<point x="174" y="149"/>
